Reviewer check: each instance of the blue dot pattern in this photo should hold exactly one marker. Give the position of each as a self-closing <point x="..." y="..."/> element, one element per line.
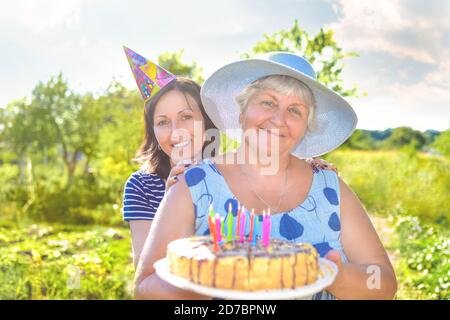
<point x="322" y="248"/>
<point x="334" y="222"/>
<point x="331" y="195"/>
<point x="194" y="176"/>
<point x="234" y="205"/>
<point x="316" y="220"/>
<point x="290" y="228"/>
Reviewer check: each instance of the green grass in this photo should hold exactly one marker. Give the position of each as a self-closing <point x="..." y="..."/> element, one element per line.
<point x="57" y="260"/>
<point x="424" y="265"/>
<point x="388" y="180"/>
<point x="65" y="262"/>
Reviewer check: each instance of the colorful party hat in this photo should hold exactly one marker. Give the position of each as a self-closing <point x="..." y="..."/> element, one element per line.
<point x="150" y="77"/>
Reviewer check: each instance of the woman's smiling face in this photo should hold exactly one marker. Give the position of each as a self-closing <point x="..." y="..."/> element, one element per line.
<point x="282" y="117"/>
<point x="178" y="125"/>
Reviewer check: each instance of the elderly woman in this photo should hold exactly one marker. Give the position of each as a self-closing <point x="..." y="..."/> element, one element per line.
<point x="277" y="109"/>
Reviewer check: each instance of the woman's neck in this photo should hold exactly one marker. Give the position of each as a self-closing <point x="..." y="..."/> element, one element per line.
<point x="196" y="158"/>
<point x="268" y="165"/>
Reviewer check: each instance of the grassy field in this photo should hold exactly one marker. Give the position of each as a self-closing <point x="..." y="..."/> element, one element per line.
<point x="406" y="195"/>
<point x="389" y="181"/>
<point x="420" y="255"/>
<point x="72" y="262"/>
<point x="65" y="262"/>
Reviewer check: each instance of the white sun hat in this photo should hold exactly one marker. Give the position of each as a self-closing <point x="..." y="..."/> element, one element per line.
<point x="335" y="118"/>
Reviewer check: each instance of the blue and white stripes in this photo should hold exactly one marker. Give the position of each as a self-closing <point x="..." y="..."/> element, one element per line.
<point x="142" y="196"/>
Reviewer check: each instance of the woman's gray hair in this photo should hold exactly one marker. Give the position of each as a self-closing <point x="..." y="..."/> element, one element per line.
<point x="284" y="85"/>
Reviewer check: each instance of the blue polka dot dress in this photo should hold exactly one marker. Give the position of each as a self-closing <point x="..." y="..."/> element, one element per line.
<point x="316" y="220"/>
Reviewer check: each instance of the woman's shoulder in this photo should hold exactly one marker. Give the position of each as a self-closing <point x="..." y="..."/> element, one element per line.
<point x="143" y="178"/>
<point x="202" y="170"/>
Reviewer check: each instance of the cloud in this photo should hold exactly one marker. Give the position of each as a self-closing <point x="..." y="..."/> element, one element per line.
<point x="404" y="44"/>
<point x="404" y="28"/>
<point x="404" y="60"/>
<point x="39" y="16"/>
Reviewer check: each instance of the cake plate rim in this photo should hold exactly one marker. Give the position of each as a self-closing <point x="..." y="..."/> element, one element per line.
<point x="328" y="267"/>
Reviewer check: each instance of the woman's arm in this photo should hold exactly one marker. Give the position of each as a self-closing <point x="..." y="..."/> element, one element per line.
<point x="139" y="232"/>
<point x="368" y="273"/>
<point x="174" y="219"/>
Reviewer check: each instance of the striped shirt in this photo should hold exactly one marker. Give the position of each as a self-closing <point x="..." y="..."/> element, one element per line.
<point x="142" y="196"/>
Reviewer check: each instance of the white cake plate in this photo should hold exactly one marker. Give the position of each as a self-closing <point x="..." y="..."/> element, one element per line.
<point x="329" y="272"/>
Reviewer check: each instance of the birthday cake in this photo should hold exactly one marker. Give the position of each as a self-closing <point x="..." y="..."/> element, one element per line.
<point x="244" y="265"/>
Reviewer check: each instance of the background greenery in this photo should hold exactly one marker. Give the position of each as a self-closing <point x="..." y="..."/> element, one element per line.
<point x="64" y="158"/>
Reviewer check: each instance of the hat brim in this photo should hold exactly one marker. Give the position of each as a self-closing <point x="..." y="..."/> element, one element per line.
<point x="335" y="118"/>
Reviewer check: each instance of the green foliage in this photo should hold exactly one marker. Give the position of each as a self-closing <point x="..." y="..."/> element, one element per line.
<point x="442" y="143"/>
<point x="431" y="135"/>
<point x="17" y="122"/>
<point x="384" y="180"/>
<point x="379" y="135"/>
<point x="64" y="262"/>
<point x="173" y="62"/>
<point x="93" y="142"/>
<point x="360" y="140"/>
<point x="425" y="257"/>
<point x="56" y="123"/>
<point x="398" y="138"/>
<point x="403" y="137"/>
<point x="64" y="158"/>
<point x="321" y="50"/>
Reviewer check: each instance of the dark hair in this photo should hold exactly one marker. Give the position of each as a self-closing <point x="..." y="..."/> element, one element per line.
<point x="149" y="155"/>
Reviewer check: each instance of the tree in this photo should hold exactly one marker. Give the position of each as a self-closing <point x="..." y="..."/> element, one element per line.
<point x="18" y="132"/>
<point x="321" y="50"/>
<point x="56" y="118"/>
<point x="405" y="136"/>
<point x="124" y="126"/>
<point x="172" y="61"/>
<point x="431" y="135"/>
<point x="442" y="143"/>
<point x="380" y="135"/>
<point x="361" y="140"/>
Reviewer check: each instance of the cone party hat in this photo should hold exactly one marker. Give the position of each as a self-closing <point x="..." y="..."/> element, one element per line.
<point x="150" y="77"/>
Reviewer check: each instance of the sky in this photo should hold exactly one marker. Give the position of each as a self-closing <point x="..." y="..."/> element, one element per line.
<point x="404" y="46"/>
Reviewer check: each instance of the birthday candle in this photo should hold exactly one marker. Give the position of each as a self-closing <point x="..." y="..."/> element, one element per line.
<point x="216" y="245"/>
<point x="238" y="222"/>
<point x="263" y="235"/>
<point x="211" y="211"/>
<point x="265" y="229"/>
<point x="250" y="237"/>
<point x="219" y="236"/>
<point x="213" y="232"/>
<point x="255" y="227"/>
<point x="230" y="223"/>
<point x="222" y="226"/>
<point x="269" y="226"/>
<point x="211" y="226"/>
<point x="242" y="233"/>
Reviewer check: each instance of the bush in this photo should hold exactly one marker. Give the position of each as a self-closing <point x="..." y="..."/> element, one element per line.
<point x="64" y="262"/>
<point x="385" y="180"/>
<point x="425" y="253"/>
